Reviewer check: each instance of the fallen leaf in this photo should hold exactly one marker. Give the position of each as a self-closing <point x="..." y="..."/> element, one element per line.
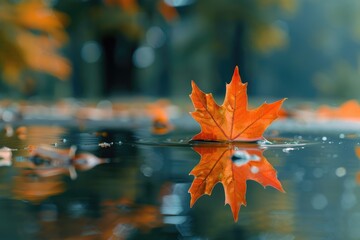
<point x="232" y="166"/>
<point x="47" y="161"/>
<point x="349" y="110"/>
<point x="159" y="113"/>
<point x="231" y="121"/>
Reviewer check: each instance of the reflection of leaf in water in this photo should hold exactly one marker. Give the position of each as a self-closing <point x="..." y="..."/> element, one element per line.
<point x="116" y="222"/>
<point x="49" y="161"/>
<point x="357" y="152"/>
<point x="232" y="167"/>
<point x="36" y="189"/>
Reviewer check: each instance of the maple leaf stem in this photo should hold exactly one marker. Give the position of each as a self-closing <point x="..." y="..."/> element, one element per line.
<point x="233" y="118"/>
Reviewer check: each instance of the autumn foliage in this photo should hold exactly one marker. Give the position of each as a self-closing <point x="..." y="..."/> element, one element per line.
<point x="349" y="110"/>
<point x="232" y="166"/>
<point x="232" y="121"/>
<point x="31" y="34"/>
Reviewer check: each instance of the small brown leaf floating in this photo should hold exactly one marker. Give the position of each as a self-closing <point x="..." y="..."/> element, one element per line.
<point x="232" y="166"/>
<point x="49" y="161"/>
<point x="160" y="118"/>
<point x="36" y="189"/>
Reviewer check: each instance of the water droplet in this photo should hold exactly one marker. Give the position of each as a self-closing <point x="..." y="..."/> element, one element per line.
<point x="104" y="145"/>
<point x="340" y="171"/>
<point x="287" y="150"/>
<point x="341" y="135"/>
<point x="264" y="142"/>
<point x="254" y="169"/>
<point x="324" y="138"/>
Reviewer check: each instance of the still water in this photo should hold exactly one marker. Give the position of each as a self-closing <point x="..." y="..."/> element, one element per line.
<point x="125" y="183"/>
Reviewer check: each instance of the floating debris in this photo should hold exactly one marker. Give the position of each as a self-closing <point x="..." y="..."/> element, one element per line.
<point x="105" y="144"/>
<point x="287" y="150"/>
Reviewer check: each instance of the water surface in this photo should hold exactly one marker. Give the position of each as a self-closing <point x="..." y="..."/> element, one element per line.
<point x="140" y="188"/>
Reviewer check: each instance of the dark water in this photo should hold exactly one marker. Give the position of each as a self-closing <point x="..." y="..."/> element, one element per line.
<point x="140" y="190"/>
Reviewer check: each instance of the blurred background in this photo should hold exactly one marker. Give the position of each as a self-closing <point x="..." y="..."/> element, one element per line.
<point x="95" y="49"/>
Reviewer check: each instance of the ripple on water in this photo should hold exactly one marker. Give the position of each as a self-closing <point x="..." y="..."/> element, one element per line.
<point x="287" y="144"/>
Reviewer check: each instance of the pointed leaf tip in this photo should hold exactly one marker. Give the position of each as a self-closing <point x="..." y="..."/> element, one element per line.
<point x="236" y="74"/>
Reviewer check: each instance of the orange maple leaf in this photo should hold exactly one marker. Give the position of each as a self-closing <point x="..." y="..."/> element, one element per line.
<point x="349" y="110"/>
<point x="231" y="121"/>
<point x="232" y="166"/>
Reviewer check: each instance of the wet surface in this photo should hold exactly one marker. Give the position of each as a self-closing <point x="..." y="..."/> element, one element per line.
<point x="135" y="185"/>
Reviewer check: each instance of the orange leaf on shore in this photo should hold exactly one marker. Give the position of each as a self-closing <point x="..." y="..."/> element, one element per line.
<point x="232" y="166"/>
<point x="232" y="121"/>
<point x="160" y="117"/>
<point x="349" y="110"/>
